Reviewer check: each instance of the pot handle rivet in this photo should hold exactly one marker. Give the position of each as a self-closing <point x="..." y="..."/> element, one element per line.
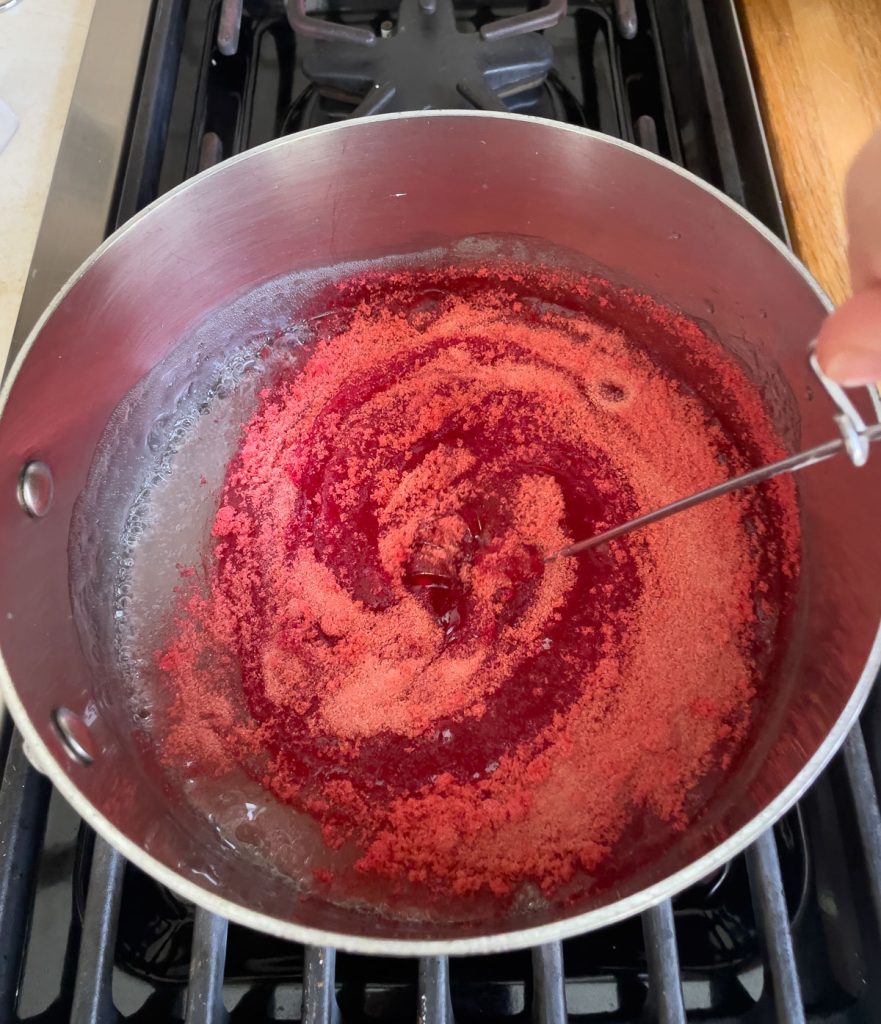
<point x="74" y="735"/>
<point x="36" y="488"/>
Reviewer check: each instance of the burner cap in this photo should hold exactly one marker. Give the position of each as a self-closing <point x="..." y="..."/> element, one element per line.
<point x="424" y="61"/>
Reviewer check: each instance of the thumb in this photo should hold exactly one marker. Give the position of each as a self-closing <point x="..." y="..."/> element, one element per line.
<point x="849" y="344"/>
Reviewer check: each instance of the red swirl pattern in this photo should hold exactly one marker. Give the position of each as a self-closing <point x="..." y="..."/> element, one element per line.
<point x="463" y="716"/>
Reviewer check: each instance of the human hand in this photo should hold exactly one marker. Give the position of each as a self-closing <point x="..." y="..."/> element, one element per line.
<point x="849" y="343"/>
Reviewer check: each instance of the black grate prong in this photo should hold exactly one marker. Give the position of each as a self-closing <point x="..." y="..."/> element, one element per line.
<point x="376" y="100"/>
<point x="93" y="994"/>
<point x="548" y="984"/>
<point x="210" y="151"/>
<point x="320" y="28"/>
<point x="772" y="917"/>
<point x="24" y="796"/>
<point x="229" y="25"/>
<point x="435" y="1004"/>
<point x="480" y="95"/>
<point x="728" y="163"/>
<point x="536" y="20"/>
<point x="319" y="986"/>
<point x="647" y="133"/>
<point x="207" y="962"/>
<point x="662" y="957"/>
<point x="868" y="813"/>
<point x="626" y="18"/>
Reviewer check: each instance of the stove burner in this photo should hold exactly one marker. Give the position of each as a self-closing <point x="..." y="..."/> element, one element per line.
<point x="316" y="106"/>
<point x="425" y="61"/>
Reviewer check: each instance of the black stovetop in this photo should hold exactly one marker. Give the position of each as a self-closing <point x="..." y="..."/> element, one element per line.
<point x="786" y="932"/>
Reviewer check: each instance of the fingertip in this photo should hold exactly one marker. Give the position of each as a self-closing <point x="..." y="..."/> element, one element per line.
<point x="849" y="342"/>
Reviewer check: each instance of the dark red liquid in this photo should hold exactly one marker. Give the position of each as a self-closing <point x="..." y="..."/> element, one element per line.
<point x="411" y="669"/>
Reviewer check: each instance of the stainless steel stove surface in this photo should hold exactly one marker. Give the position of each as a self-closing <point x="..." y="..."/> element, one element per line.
<point x="787" y="932"/>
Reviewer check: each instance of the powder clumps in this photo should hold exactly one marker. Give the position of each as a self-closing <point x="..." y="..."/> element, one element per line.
<point x="399" y="663"/>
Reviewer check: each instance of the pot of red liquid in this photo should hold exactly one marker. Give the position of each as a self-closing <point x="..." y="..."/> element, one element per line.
<point x="278" y="470"/>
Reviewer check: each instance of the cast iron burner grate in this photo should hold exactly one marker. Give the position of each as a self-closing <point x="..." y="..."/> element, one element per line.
<point x="789" y="931"/>
<point x="422" y="58"/>
<point x="715" y="927"/>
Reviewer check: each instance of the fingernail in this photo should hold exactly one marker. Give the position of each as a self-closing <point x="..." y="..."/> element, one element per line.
<point x="854" y="367"/>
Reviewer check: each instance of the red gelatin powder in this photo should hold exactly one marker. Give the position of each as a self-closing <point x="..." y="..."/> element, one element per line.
<point x="408" y="671"/>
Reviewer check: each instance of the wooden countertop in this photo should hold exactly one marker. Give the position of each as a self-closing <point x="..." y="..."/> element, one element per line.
<point x="817" y="65"/>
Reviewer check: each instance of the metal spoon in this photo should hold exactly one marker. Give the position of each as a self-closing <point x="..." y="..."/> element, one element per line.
<point x="755" y="476"/>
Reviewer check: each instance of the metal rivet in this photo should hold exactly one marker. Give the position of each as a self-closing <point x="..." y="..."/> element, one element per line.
<point x="74" y="735"/>
<point x="36" y="488"/>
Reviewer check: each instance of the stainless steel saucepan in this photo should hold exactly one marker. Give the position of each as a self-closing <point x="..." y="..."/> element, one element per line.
<point x="363" y="190"/>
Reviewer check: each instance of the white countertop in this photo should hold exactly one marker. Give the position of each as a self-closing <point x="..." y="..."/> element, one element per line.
<point x="41" y="42"/>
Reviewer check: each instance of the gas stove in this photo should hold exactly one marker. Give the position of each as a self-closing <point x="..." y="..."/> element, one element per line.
<point x="787" y="931"/>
